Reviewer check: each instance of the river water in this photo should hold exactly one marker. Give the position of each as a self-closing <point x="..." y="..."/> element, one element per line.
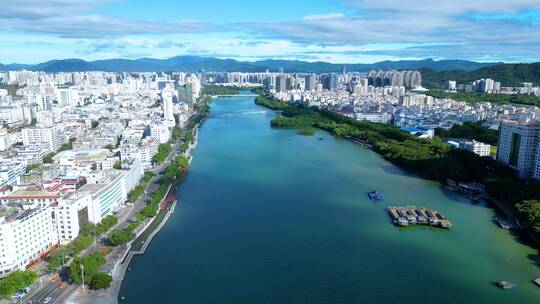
<point x="268" y="216"/>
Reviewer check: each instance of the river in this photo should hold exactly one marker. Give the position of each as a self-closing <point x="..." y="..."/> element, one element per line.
<point x="269" y="216"/>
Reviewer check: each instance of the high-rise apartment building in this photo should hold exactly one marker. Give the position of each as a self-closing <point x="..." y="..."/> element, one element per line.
<point x="168" y="107"/>
<point x="25" y="236"/>
<point x="46" y="138"/>
<point x="310" y="82"/>
<point x="518" y="147"/>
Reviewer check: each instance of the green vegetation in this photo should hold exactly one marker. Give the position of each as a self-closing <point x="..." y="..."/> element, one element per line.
<point x="33" y="167"/>
<point x="109" y="147"/>
<point x="176" y="133"/>
<point x="139" y="241"/>
<point x="101" y="281"/>
<point x="148" y="176"/>
<point x="85" y="239"/>
<point x="119" y="237"/>
<point x="139" y="189"/>
<point x="506" y="74"/>
<point x="48" y="159"/>
<point x="117" y="165"/>
<point x="470" y="130"/>
<point x="219" y="90"/>
<point x="306" y="131"/>
<point x="493" y="151"/>
<point x="202" y="106"/>
<point x="136" y="193"/>
<point x="429" y="158"/>
<point x="16" y="281"/>
<point x="94" y="124"/>
<point x="530" y="209"/>
<point x="484" y="97"/>
<point x="173" y="172"/>
<point x="163" y="151"/>
<point x="91" y="263"/>
<point x="82" y="242"/>
<point x="67" y="146"/>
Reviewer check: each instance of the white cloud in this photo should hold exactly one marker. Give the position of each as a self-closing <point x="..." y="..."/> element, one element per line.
<point x="32" y="9"/>
<point x="324" y="17"/>
<point x="444" y="23"/>
<point x="98" y="26"/>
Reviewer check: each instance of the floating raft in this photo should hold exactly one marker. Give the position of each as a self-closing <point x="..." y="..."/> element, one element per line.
<point x="411" y="215"/>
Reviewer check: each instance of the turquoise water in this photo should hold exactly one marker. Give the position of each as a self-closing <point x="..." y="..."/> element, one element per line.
<point x="268" y="216"/>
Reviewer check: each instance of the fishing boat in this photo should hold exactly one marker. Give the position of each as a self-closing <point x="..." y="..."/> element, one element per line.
<point x="375" y="195"/>
<point x="505" y="285"/>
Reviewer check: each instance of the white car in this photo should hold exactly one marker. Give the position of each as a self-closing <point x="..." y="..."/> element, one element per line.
<point x="47" y="300"/>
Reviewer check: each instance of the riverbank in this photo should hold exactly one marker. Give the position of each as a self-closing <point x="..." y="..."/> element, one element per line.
<point x="429" y="158"/>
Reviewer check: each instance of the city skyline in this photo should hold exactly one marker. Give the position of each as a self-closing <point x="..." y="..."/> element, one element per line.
<point x="333" y="31"/>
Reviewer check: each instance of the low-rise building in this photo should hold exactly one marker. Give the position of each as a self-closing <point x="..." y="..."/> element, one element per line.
<point x="476" y="147"/>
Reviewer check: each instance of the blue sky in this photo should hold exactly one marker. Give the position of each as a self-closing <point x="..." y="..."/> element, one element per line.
<point x="340" y="31"/>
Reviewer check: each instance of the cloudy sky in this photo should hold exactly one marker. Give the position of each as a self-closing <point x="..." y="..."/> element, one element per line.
<point x="329" y="30"/>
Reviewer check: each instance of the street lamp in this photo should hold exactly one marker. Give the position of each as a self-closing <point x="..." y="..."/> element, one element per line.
<point x="82" y="276"/>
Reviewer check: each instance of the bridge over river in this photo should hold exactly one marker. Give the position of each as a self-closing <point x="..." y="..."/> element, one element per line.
<point x="234" y="96"/>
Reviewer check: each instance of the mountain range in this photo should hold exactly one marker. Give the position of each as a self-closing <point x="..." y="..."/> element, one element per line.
<point x="506" y="74"/>
<point x="195" y="63"/>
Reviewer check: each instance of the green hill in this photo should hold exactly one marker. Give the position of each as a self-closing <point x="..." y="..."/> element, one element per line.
<point x="506" y="74"/>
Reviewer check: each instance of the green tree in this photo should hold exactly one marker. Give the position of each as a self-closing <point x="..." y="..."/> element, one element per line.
<point x="530" y="210"/>
<point x="82" y="242"/>
<point x="176" y="133"/>
<point x="16" y="281"/>
<point x="101" y="281"/>
<point x="48" y="159"/>
<point x="119" y="237"/>
<point x="94" y="124"/>
<point x="163" y="151"/>
<point x="117" y="165"/>
<point x="91" y="262"/>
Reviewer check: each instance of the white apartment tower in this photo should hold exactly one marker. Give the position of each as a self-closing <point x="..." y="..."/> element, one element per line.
<point x="24" y="237"/>
<point x="518" y="147"/>
<point x="44" y="137"/>
<point x="168" y="107"/>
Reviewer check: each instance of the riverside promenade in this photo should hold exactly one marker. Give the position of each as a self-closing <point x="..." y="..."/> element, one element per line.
<point x="110" y="295"/>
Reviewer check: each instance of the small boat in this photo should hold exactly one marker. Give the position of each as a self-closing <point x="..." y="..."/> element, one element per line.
<point x="537" y="282"/>
<point x="375" y="195"/>
<point x="401" y="221"/>
<point x="411" y="219"/>
<point x="422" y="220"/>
<point x="320" y="138"/>
<point x="505" y="285"/>
<point x="433" y="221"/>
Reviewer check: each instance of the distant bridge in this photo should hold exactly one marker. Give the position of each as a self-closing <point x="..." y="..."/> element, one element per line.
<point x="228" y="114"/>
<point x="233" y="96"/>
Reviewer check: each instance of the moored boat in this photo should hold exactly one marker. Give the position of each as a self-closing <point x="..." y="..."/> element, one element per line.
<point x="505" y="284"/>
<point x="537" y="282"/>
<point x="375" y="195"/>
